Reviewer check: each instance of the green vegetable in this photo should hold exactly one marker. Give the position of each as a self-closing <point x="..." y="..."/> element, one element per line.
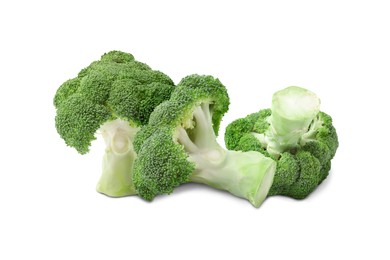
<point x="300" y="138"/>
<point x="113" y="96"/>
<point x="179" y="145"/>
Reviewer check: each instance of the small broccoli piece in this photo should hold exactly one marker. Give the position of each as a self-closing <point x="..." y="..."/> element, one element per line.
<point x="179" y="145"/>
<point x="287" y="173"/>
<point x="309" y="176"/>
<point x="113" y="96"/>
<point x="296" y="134"/>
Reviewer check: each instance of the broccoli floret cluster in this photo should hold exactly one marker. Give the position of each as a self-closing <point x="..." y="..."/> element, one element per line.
<point x="114" y="96"/>
<point x="159" y="136"/>
<point x="299" y="137"/>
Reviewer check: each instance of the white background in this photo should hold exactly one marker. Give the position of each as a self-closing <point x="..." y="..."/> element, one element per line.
<point x="49" y="208"/>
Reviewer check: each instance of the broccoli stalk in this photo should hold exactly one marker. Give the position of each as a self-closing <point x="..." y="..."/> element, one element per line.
<point x="293" y="111"/>
<point x="245" y="174"/>
<point x="116" y="179"/>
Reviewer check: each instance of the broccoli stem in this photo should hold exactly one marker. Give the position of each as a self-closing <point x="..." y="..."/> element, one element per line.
<point x="116" y="179"/>
<point x="293" y="111"/>
<point x="247" y="175"/>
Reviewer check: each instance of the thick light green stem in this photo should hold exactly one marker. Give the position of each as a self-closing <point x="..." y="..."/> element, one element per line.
<point x="293" y="110"/>
<point x="247" y="175"/>
<point x="118" y="160"/>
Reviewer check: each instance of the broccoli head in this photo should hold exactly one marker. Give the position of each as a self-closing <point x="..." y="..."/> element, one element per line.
<point x="296" y="134"/>
<point x="114" y="96"/>
<point x="179" y="145"/>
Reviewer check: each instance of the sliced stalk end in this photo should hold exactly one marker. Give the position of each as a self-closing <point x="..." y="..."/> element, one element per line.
<point x="295" y="104"/>
<point x="257" y="174"/>
<point x="247" y="175"/>
<point x="265" y="185"/>
<point x="116" y="179"/>
<point x="117" y="174"/>
<point x="293" y="110"/>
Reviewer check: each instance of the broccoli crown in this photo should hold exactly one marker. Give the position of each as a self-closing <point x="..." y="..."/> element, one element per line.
<point x="300" y="169"/>
<point x="116" y="86"/>
<point x="162" y="162"/>
<point x="191" y="92"/>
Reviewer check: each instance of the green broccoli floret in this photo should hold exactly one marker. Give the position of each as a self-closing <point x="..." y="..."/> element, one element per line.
<point x="113" y="96"/>
<point x="179" y="145"/>
<point x="300" y="138"/>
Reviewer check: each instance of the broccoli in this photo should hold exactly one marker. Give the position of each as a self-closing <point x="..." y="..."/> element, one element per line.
<point x="179" y="145"/>
<point x="113" y="96"/>
<point x="296" y="134"/>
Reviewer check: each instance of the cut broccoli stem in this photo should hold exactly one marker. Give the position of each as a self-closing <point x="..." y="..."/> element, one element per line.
<point x="247" y="175"/>
<point x="293" y="111"/>
<point x="118" y="160"/>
